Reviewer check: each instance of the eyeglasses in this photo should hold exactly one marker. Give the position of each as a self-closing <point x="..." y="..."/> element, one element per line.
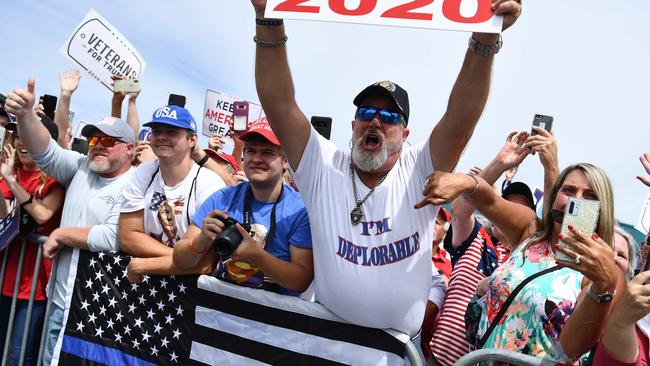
<point x="106" y="141"/>
<point x="385" y="115"/>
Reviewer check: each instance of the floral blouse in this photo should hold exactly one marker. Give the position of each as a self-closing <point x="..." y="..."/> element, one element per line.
<point x="535" y="318"/>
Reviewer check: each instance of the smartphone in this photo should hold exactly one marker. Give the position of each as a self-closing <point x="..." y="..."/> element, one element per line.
<point x="145" y="134"/>
<point x="177" y="100"/>
<point x="543" y="121"/>
<point x="49" y="105"/>
<point x="127" y="85"/>
<point x="240" y="115"/>
<point x="79" y="145"/>
<point x="322" y="125"/>
<point x="583" y="214"/>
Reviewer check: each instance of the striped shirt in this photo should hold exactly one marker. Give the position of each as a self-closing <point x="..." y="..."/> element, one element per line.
<point x="474" y="260"/>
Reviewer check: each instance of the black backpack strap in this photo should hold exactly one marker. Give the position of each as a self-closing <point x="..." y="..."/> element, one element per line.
<point x="510" y="299"/>
<point x="152" y="178"/>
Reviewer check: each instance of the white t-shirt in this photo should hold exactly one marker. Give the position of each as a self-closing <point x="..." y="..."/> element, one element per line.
<point x="169" y="205"/>
<point x="376" y="273"/>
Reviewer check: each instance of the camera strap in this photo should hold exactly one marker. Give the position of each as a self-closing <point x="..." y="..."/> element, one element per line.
<point x="248" y="213"/>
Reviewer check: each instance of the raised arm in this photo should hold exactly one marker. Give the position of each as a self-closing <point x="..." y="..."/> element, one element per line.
<point x="468" y="96"/>
<point x="620" y="338"/>
<point x="511" y="154"/>
<point x="545" y="144"/>
<point x="275" y="89"/>
<point x="32" y="133"/>
<point x="514" y="220"/>
<point x="132" y="117"/>
<point x="69" y="81"/>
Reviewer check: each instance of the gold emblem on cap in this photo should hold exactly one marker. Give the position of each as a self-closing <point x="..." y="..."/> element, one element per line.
<point x="388" y="85"/>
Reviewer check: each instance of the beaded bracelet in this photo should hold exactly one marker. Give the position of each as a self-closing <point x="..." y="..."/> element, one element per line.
<point x="268" y="21"/>
<point x="264" y="43"/>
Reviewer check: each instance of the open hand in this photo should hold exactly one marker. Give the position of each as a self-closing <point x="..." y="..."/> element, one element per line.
<point x="513" y="151"/>
<point x="8" y="158"/>
<point x="69" y="80"/>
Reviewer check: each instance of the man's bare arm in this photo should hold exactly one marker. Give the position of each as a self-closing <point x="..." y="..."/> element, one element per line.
<point x="276" y="92"/>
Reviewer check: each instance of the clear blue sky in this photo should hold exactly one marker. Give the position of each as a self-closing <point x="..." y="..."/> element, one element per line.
<point x="584" y="62"/>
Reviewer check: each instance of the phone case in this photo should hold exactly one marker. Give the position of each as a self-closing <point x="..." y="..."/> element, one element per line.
<point x="543" y="121"/>
<point x="126" y="85"/>
<point x="240" y="115"/>
<point x="582" y="214"/>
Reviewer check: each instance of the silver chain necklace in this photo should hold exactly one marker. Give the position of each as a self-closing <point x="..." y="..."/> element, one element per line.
<point x="356" y="214"/>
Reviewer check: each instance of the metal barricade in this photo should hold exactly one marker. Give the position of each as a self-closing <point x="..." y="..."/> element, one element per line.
<point x="26" y="240"/>
<point x="492" y="355"/>
<point x="412" y="353"/>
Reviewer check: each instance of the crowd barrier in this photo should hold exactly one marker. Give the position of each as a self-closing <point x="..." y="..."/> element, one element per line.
<point x="498" y="355"/>
<point x="412" y="353"/>
<point x="36" y="268"/>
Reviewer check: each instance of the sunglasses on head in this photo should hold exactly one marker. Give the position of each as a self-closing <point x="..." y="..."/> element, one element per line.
<point x="385" y="115"/>
<point x="106" y="141"/>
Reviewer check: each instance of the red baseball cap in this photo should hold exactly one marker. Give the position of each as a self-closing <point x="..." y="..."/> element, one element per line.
<point x="260" y="127"/>
<point x="224" y="157"/>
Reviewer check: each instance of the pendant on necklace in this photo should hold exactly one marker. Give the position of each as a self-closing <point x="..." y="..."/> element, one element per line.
<point x="356" y="215"/>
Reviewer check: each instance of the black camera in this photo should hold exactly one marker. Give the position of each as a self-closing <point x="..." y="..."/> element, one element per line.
<point x="229" y="238"/>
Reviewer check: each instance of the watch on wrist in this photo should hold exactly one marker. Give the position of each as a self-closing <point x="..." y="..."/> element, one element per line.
<point x="483" y="49"/>
<point x="603" y="298"/>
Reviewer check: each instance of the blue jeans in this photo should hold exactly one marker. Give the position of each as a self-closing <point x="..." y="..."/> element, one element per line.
<point x="33" y="331"/>
<point x="54" y="325"/>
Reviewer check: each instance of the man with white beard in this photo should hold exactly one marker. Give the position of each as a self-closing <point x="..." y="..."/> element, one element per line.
<point x="93" y="193"/>
<point x="371" y="247"/>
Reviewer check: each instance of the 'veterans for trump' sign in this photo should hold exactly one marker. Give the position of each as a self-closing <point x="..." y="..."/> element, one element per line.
<point x="102" y="50"/>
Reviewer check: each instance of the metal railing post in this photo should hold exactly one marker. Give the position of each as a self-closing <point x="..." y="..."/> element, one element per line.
<point x="50" y="289"/>
<point x="30" y="306"/>
<point x="2" y="279"/>
<point x="413" y="355"/>
<point x="14" y="300"/>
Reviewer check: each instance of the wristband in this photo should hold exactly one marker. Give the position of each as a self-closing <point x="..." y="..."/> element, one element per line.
<point x="22" y="205"/>
<point x="268" y="21"/>
<point x="264" y="43"/>
<point x="197" y="252"/>
<point x="203" y="160"/>
<point x="475" y="180"/>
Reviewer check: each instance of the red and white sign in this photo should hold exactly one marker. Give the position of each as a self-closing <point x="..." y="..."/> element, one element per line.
<point x="459" y="15"/>
<point x="217" y="115"/>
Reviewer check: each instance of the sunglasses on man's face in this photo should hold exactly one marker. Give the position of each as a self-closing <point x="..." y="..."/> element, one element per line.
<point x="106" y="141"/>
<point x="385" y="115"/>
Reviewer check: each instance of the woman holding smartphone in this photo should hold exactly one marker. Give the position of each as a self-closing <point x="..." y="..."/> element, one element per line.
<point x="558" y="316"/>
<point x="40" y="199"/>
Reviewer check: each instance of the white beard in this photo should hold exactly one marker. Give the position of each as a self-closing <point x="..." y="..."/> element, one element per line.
<point x="369" y="161"/>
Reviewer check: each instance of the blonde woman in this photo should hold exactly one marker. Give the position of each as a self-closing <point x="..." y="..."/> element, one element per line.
<point x="560" y="315"/>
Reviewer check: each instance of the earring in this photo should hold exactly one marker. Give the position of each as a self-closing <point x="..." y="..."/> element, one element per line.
<point x="350" y="143"/>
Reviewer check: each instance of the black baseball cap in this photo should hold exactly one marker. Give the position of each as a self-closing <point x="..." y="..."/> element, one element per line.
<point x="388" y="89"/>
<point x="521" y="189"/>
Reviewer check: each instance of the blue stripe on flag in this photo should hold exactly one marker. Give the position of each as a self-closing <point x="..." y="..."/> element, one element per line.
<point x="98" y="353"/>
